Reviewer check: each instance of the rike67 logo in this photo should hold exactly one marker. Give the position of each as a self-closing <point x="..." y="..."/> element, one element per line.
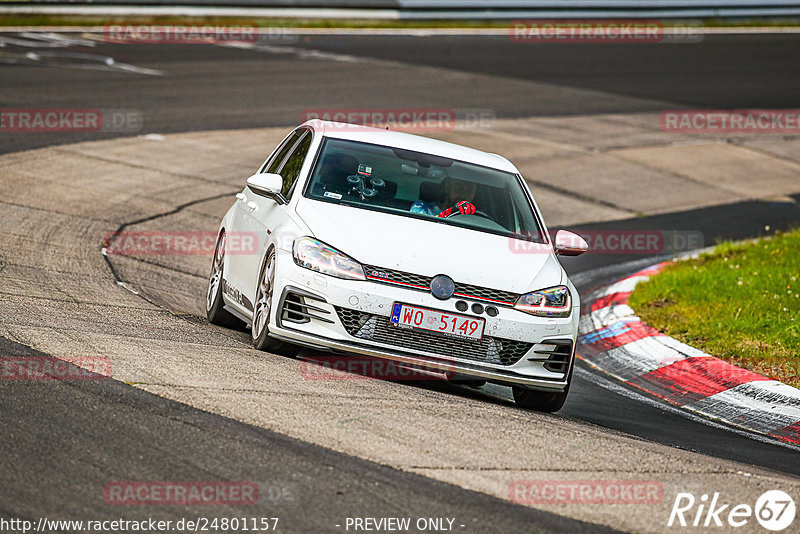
<point x="774" y="510"/>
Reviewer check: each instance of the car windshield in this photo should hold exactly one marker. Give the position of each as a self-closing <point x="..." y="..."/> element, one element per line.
<point x="418" y="185"/>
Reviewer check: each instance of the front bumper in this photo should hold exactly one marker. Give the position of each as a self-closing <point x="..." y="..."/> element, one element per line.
<point x="321" y="327"/>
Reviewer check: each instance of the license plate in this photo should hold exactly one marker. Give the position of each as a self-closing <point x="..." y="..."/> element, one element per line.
<point x="450" y="324"/>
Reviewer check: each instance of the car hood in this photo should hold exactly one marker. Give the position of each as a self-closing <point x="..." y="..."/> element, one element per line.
<point x="429" y="248"/>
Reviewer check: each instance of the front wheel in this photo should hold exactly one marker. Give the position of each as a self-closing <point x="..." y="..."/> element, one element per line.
<point x="541" y="401"/>
<point x="262" y="311"/>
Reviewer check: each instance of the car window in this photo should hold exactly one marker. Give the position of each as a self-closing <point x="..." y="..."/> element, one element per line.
<point x="423" y="186"/>
<point x="280" y="154"/>
<point x="291" y="169"/>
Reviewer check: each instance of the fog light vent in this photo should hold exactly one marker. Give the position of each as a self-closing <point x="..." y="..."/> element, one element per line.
<point x="296" y="309"/>
<point x="558" y="353"/>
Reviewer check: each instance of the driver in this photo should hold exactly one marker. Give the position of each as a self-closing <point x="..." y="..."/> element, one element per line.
<point x="458" y="197"/>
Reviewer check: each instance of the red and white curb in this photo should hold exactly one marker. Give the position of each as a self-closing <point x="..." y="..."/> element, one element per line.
<point x="613" y="339"/>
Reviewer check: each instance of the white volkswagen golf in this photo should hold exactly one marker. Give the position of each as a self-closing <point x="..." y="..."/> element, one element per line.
<point x="401" y="247"/>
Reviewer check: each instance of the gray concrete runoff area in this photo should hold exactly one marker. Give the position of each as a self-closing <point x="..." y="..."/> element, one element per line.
<point x="60" y="297"/>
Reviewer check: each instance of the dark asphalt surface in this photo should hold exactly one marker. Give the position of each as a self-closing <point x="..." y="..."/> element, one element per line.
<point x="213" y="87"/>
<point x="721" y="71"/>
<point x="63" y="442"/>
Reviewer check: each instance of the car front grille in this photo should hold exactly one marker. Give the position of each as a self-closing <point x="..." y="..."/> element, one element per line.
<point x="422" y="283"/>
<point x="377" y="328"/>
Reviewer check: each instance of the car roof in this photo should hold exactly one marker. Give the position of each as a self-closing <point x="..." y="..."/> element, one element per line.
<point x="417" y="143"/>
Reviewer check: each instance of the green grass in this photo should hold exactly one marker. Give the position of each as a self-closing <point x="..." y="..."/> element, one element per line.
<point x="740" y="303"/>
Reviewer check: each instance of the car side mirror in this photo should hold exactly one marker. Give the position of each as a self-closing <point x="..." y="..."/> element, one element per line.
<point x="268" y="185"/>
<point x="569" y="244"/>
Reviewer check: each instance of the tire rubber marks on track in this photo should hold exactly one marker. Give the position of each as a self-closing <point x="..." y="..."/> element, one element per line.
<point x="45" y="40"/>
<point x="299" y="53"/>
<point x="617" y="342"/>
<point x="47" y="53"/>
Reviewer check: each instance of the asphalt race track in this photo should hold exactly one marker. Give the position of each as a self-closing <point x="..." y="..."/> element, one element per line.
<point x="272" y="84"/>
<point x="109" y="427"/>
<point x="64" y="440"/>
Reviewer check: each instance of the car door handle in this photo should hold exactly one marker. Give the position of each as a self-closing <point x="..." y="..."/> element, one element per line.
<point x="241" y="196"/>
<point x="252" y="206"/>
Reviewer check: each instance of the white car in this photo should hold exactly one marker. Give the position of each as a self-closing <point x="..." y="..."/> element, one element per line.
<point x="396" y="246"/>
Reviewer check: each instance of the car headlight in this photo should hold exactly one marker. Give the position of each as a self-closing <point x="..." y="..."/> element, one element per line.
<point x="551" y="302"/>
<point x="318" y="256"/>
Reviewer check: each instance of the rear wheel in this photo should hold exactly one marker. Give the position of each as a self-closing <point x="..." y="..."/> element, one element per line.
<point x="215" y="310"/>
<point x="262" y="311"/>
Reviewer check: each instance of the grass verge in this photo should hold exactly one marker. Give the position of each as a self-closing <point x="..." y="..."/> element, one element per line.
<point x="740" y="303"/>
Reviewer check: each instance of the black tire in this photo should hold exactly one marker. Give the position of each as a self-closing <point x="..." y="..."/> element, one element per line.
<point x="262" y="308"/>
<point x="541" y="401"/>
<point x="215" y="311"/>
